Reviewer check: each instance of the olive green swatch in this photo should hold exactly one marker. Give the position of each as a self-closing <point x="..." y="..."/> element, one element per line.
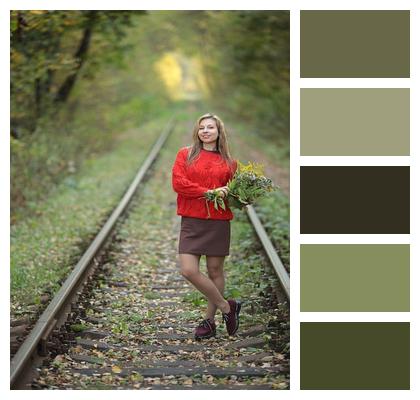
<point x="355" y="122"/>
<point x="355" y="355"/>
<point x="354" y="277"/>
<point x="355" y="44"/>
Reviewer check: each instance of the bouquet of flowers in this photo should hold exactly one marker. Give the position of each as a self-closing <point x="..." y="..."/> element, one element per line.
<point x="247" y="185"/>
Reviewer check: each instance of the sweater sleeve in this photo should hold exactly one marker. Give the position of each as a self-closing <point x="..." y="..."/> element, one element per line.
<point x="180" y="183"/>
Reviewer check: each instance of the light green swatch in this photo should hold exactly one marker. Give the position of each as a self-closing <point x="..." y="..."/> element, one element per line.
<point x="354" y="277"/>
<point x="355" y="122"/>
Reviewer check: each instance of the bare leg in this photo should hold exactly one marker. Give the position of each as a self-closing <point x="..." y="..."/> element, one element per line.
<point x="190" y="270"/>
<point x="216" y="274"/>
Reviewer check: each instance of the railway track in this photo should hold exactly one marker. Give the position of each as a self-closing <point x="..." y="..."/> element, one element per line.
<point x="124" y="317"/>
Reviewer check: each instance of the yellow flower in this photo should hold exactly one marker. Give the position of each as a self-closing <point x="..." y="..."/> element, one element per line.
<point x="255" y="168"/>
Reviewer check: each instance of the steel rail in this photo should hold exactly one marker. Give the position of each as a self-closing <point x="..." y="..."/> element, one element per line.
<point x="278" y="266"/>
<point x="50" y="316"/>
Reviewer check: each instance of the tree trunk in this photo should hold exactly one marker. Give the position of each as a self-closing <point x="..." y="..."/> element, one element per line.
<point x="38" y="98"/>
<point x="80" y="56"/>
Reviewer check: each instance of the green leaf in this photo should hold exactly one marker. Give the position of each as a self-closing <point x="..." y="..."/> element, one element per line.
<point x="215" y="204"/>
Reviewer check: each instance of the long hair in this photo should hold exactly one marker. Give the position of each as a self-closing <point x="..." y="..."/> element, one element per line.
<point x="221" y="145"/>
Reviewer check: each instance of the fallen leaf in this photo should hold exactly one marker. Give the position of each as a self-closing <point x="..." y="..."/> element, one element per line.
<point x="116" y="369"/>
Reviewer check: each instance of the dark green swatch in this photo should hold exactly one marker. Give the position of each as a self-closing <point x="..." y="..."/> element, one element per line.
<point x="355" y="355"/>
<point x="355" y="122"/>
<point x="350" y="200"/>
<point x="355" y="44"/>
<point x="355" y="277"/>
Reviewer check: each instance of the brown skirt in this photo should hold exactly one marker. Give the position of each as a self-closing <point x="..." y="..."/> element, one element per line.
<point x="210" y="237"/>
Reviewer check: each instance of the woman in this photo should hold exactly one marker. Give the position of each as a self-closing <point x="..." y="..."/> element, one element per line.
<point x="205" y="166"/>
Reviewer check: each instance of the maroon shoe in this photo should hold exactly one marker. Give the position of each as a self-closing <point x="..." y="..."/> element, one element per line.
<point x="232" y="317"/>
<point x="205" y="330"/>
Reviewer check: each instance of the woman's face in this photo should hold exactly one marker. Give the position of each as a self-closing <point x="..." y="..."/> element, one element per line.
<point x="207" y="130"/>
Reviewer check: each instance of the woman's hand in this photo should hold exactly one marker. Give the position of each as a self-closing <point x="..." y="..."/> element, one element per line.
<point x="223" y="190"/>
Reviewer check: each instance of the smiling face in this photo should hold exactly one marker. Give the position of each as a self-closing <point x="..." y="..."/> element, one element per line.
<point x="208" y="132"/>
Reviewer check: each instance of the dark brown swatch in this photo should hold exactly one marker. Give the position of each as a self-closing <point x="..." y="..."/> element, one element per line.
<point x="355" y="355"/>
<point x="355" y="44"/>
<point x="355" y="200"/>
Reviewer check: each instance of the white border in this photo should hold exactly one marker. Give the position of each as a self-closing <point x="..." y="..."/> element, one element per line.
<point x="354" y="161"/>
<point x="354" y="239"/>
<point x="294" y="5"/>
<point x="314" y="83"/>
<point x="355" y="316"/>
<point x="294" y="197"/>
<point x="5" y="198"/>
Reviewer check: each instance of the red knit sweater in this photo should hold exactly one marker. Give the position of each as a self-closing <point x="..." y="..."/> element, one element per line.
<point x="208" y="171"/>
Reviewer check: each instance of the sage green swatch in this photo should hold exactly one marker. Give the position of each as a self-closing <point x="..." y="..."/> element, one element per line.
<point x="355" y="355"/>
<point x="354" y="277"/>
<point x="355" y="44"/>
<point x="355" y="122"/>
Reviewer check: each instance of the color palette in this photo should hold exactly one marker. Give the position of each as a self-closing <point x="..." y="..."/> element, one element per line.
<point x="355" y="122"/>
<point x="355" y="355"/>
<point x="355" y="44"/>
<point x="355" y="200"/>
<point x="368" y="201"/>
<point x="354" y="277"/>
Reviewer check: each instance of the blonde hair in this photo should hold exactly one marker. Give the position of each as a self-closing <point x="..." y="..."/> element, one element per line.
<point x="221" y="143"/>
